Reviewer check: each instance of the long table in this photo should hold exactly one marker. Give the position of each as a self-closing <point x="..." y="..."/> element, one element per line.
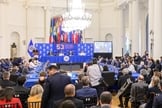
<point x="61" y="59"/>
<point x="32" y="79"/>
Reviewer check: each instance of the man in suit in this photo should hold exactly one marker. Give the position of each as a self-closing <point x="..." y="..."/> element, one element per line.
<point x="106" y="99"/>
<point x="54" y="87"/>
<point x="19" y="87"/>
<point x="86" y="91"/>
<point x="126" y="93"/>
<point x="21" y="92"/>
<point x="138" y="92"/>
<point x="68" y="104"/>
<point x="158" y="99"/>
<point x="69" y="95"/>
<point x="79" y="84"/>
<point x="6" y="80"/>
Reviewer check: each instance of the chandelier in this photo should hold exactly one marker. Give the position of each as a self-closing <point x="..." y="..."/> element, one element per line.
<point x="76" y="18"/>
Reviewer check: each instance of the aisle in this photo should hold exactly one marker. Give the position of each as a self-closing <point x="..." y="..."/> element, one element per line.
<point x="115" y="103"/>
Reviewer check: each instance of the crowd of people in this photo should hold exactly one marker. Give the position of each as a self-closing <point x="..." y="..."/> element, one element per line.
<point x="145" y="91"/>
<point x="56" y="90"/>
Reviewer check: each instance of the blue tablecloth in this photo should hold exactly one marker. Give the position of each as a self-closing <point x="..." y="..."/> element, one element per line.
<point x="32" y="79"/>
<point x="60" y="59"/>
<point x="30" y="82"/>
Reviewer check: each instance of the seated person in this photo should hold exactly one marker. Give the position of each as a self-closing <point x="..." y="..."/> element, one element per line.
<point x="42" y="78"/>
<point x="68" y="104"/>
<point x="131" y="67"/>
<point x="35" y="53"/>
<point x="106" y="100"/>
<point x="32" y="64"/>
<point x="82" y="53"/>
<point x="145" y="73"/>
<point x="86" y="91"/>
<point x="15" y="74"/>
<point x="6" y="80"/>
<point x="51" y="53"/>
<point x="19" y="87"/>
<point x="71" y="53"/>
<point x="141" y="66"/>
<point x="79" y="84"/>
<point x="157" y="103"/>
<point x="21" y="92"/>
<point x="25" y="68"/>
<point x="152" y="91"/>
<point x="69" y="95"/>
<point x="105" y="68"/>
<point x="36" y="93"/>
<point x="6" y="97"/>
<point x="61" y="53"/>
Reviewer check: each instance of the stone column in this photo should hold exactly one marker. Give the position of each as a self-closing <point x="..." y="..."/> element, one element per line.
<point x="130" y="27"/>
<point x="157" y="52"/>
<point x="120" y="40"/>
<point x="151" y="26"/>
<point x="135" y="26"/>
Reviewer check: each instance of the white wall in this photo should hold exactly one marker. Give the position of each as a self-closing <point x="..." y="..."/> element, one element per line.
<point x="33" y="22"/>
<point x="110" y="22"/>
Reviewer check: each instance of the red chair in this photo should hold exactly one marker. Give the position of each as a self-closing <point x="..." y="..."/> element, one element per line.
<point x="9" y="105"/>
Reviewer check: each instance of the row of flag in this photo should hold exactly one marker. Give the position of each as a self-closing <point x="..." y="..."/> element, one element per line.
<point x="57" y="35"/>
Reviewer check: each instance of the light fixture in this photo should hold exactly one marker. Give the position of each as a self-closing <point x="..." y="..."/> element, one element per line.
<point x="76" y="18"/>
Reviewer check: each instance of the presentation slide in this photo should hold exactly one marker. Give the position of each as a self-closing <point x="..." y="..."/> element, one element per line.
<point x="103" y="47"/>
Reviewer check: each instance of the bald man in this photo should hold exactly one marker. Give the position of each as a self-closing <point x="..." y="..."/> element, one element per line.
<point x="138" y="92"/>
<point x="106" y="99"/>
<point x="69" y="95"/>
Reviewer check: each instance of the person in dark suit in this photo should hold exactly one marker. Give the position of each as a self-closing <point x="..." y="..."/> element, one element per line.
<point x="69" y="95"/>
<point x="54" y="87"/>
<point x="86" y="91"/>
<point x="21" y="92"/>
<point x="152" y="91"/>
<point x="14" y="74"/>
<point x="19" y="87"/>
<point x="79" y="84"/>
<point x="106" y="99"/>
<point x="126" y="93"/>
<point x="42" y="78"/>
<point x="68" y="104"/>
<point x="157" y="103"/>
<point x="6" y="81"/>
<point x="138" y="92"/>
<point x="158" y="66"/>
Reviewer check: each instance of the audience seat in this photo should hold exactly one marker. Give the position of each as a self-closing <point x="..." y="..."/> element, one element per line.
<point x="89" y="101"/>
<point x="109" y="78"/>
<point x="23" y="98"/>
<point x="13" y="105"/>
<point x="34" y="104"/>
